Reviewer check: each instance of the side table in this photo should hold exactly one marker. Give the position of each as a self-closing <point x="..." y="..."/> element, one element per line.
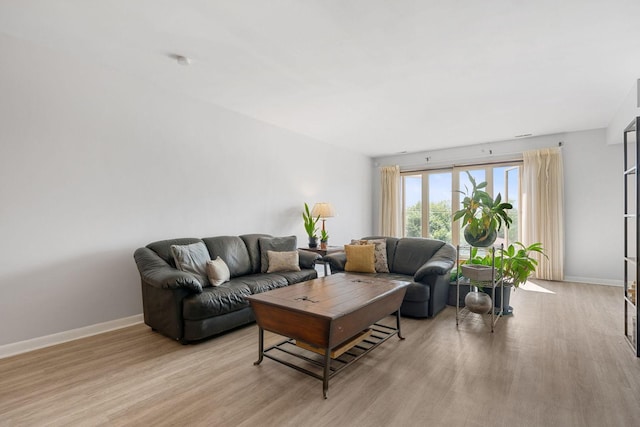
<point x="323" y="252"/>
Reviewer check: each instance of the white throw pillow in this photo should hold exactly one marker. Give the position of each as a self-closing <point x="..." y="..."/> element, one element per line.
<point x="283" y="261"/>
<point x="218" y="272"/>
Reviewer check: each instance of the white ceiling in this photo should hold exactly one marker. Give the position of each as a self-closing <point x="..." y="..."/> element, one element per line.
<point x="375" y="76"/>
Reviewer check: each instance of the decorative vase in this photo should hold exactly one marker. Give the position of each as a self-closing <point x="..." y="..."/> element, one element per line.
<point x="482" y="241"/>
<point x="313" y="242"/>
<point x="478" y="302"/>
<point x="323" y="244"/>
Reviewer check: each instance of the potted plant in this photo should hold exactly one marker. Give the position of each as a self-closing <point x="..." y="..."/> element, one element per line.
<point x="324" y="239"/>
<point x="310" y="226"/>
<point x="477" y="270"/>
<point x="515" y="264"/>
<point x="456" y="273"/>
<point x="482" y="215"/>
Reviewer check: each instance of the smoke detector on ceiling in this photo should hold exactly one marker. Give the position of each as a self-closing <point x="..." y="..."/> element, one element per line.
<point x="183" y="60"/>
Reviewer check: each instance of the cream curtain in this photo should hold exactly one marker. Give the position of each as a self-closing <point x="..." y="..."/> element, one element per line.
<point x="542" y="209"/>
<point x="390" y="224"/>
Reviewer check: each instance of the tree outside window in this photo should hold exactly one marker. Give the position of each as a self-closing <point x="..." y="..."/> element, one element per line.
<point x="434" y="218"/>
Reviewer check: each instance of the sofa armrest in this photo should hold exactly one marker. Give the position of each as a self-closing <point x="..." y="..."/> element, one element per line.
<point x="157" y="273"/>
<point x="336" y="260"/>
<point x="440" y="263"/>
<point x="307" y="259"/>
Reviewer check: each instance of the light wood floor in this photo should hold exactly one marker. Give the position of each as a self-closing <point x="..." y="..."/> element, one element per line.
<point x="560" y="360"/>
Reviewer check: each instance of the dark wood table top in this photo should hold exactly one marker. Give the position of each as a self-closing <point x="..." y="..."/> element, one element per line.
<point x="332" y="296"/>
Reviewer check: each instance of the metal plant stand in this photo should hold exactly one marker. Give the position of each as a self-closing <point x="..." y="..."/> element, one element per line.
<point x="494" y="281"/>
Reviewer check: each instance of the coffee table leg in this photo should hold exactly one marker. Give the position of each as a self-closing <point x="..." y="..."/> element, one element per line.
<point x="325" y="380"/>
<point x="398" y="324"/>
<point x="260" y="345"/>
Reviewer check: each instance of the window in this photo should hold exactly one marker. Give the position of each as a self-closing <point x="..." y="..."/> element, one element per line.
<point x="428" y="197"/>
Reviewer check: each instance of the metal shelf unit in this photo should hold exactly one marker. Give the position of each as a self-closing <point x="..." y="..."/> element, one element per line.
<point x="495" y="282"/>
<point x="631" y="233"/>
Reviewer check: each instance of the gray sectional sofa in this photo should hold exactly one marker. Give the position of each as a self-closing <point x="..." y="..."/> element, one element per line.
<point x="184" y="307"/>
<point x="425" y="263"/>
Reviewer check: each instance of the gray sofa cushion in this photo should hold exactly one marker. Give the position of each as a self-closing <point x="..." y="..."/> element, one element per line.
<point x="298" y="276"/>
<point x="253" y="246"/>
<point x="233" y="251"/>
<point x="214" y="301"/>
<point x="261" y="282"/>
<point x="415" y="292"/>
<point x="278" y="244"/>
<point x="412" y="253"/>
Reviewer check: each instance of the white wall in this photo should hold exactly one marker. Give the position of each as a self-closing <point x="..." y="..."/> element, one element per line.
<point x="95" y="163"/>
<point x="629" y="109"/>
<point x="593" y="195"/>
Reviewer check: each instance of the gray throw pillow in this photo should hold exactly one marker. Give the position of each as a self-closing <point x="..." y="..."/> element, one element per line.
<point x="192" y="259"/>
<point x="276" y="244"/>
<point x="283" y="261"/>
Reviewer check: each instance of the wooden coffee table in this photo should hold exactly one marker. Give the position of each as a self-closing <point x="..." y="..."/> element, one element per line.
<point x="334" y="316"/>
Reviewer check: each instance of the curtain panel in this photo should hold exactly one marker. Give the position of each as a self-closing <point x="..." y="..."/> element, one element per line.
<point x="390" y="224"/>
<point x="543" y="209"/>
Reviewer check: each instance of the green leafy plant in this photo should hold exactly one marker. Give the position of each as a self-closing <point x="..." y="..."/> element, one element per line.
<point x="310" y="223"/>
<point x="482" y="215"/>
<point x="518" y="264"/>
<point x="515" y="262"/>
<point x="324" y="236"/>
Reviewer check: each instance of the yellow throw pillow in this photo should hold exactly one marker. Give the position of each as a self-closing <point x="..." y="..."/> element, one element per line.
<point x="382" y="266"/>
<point x="360" y="258"/>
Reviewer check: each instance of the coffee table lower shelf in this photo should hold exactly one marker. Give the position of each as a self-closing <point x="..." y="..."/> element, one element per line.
<point x="304" y="357"/>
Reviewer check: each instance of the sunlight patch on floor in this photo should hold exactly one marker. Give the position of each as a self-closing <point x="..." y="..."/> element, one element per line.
<point x="532" y="287"/>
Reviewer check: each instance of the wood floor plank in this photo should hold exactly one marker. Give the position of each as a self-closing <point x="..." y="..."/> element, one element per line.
<point x="560" y="360"/>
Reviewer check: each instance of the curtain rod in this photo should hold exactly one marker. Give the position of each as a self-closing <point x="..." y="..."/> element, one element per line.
<point x="513" y="157"/>
<point x="459" y="165"/>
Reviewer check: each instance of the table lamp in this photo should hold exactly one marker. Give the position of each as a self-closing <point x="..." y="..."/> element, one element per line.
<point x="323" y="210"/>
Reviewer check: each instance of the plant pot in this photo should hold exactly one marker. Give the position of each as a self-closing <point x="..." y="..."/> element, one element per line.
<point x="497" y="305"/>
<point x="313" y="242"/>
<point x="483" y="240"/>
<point x="323" y="244"/>
<point x="478" y="302"/>
<point x="464" y="290"/>
<point x="481" y="273"/>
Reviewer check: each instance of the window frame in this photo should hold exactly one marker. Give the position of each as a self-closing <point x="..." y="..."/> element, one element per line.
<point x="455" y="172"/>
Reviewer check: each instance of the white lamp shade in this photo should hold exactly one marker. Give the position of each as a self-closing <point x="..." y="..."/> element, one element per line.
<point x="323" y="210"/>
